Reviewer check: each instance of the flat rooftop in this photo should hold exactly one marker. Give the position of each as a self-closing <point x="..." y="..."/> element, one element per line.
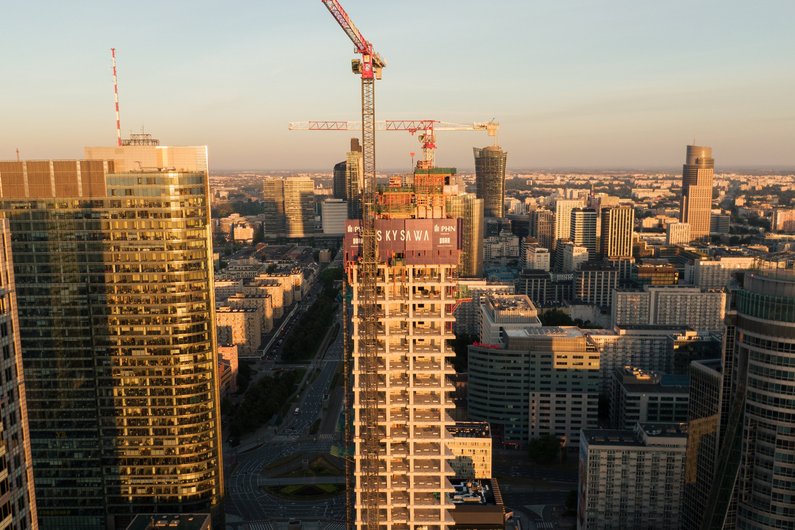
<point x="470" y="429"/>
<point x="172" y="521"/>
<point x="511" y="302"/>
<point x="545" y="331"/>
<point x="637" y="437"/>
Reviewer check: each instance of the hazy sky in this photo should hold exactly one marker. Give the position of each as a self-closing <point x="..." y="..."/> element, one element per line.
<point x="611" y="83"/>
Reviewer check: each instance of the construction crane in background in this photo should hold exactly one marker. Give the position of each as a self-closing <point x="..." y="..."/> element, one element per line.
<point x="426" y="128"/>
<point x="368" y="67"/>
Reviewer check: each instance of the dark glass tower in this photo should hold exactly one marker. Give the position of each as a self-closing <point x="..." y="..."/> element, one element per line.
<point x="490" y="179"/>
<point x="116" y="312"/>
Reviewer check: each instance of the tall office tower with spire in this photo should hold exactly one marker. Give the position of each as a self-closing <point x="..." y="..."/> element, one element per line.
<point x="697" y="176"/>
<point x="416" y="284"/>
<point x="618" y="224"/>
<point x="17" y="495"/>
<point x="582" y="230"/>
<point x="468" y="208"/>
<point x="490" y="179"/>
<point x="753" y="484"/>
<point x="113" y="265"/>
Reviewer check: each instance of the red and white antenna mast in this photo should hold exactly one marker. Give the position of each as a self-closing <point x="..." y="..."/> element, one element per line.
<point x="116" y="97"/>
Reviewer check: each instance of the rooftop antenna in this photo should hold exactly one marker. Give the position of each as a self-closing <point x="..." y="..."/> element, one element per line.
<point x="17" y="154"/>
<point x="116" y="97"/>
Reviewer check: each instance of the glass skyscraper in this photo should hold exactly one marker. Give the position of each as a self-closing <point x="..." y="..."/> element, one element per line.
<point x="113" y="266"/>
<point x="490" y="179"/>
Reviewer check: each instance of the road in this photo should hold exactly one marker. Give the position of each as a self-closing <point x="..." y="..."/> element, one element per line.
<point x="246" y="499"/>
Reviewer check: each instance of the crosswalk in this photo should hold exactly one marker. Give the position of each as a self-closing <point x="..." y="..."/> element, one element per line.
<point x="260" y="525"/>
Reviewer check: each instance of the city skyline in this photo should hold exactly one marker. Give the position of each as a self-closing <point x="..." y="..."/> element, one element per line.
<point x="583" y="98"/>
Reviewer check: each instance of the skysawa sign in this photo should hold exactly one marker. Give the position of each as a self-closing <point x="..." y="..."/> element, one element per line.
<point x="414" y="239"/>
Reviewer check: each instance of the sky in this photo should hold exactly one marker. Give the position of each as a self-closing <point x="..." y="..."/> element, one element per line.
<point x="573" y="83"/>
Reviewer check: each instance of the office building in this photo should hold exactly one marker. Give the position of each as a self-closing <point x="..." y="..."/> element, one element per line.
<point x="501" y="312"/>
<point x="542" y="227"/>
<point x="543" y="380"/>
<point x="697" y="176"/>
<point x="468" y="208"/>
<point x="700" y="309"/>
<point x="563" y="208"/>
<point x="471" y="447"/>
<point x="338" y="183"/>
<point x="273" y="205"/>
<point x="594" y="284"/>
<point x="720" y="222"/>
<point x="17" y="495"/>
<point x="354" y="171"/>
<point x="490" y="179"/>
<point x="299" y="206"/>
<point x="702" y="439"/>
<point x="618" y="224"/>
<point x="631" y="478"/>
<point x="583" y="230"/>
<point x="471" y="293"/>
<point x="333" y="214"/>
<point x="114" y="284"/>
<point x="641" y="396"/>
<point x="502" y="247"/>
<point x="653" y="273"/>
<point x="416" y="287"/>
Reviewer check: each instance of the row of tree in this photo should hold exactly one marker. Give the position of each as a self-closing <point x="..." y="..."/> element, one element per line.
<point x="262" y="401"/>
<point x="303" y="343"/>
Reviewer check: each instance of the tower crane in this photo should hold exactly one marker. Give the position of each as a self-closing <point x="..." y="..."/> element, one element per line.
<point x="426" y="128"/>
<point x="369" y="68"/>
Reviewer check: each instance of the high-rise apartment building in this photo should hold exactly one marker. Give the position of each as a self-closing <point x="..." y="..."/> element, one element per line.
<point x="677" y="234"/>
<point x="666" y="305"/>
<point x="618" y="225"/>
<point x="563" y="208"/>
<point x="490" y="179"/>
<point x="338" y="187"/>
<point x="416" y="284"/>
<point x="17" y="495"/>
<point x="717" y="273"/>
<point x="116" y="317"/>
<point x="333" y="214"/>
<point x="645" y="396"/>
<point x="697" y="176"/>
<point x="631" y="478"/>
<point x="468" y="208"/>
<point x="582" y="230"/>
<point x="594" y="284"/>
<point x="757" y="445"/>
<point x="471" y="448"/>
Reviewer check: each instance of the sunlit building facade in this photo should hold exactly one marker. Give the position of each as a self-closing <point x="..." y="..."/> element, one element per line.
<point x="116" y="313"/>
<point x="697" y="176"/>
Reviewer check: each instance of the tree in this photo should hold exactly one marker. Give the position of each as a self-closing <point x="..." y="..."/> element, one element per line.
<point x="544" y="449"/>
<point x="555" y="317"/>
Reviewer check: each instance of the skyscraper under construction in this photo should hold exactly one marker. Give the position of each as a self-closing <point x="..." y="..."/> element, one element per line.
<point x="490" y="179"/>
<point x="113" y="264"/>
<point x="418" y="257"/>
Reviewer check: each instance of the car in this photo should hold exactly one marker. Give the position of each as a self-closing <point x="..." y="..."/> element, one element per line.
<point x="297" y="411"/>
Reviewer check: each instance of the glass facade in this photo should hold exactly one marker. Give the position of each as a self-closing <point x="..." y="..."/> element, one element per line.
<point x="116" y="320"/>
<point x="490" y="179"/>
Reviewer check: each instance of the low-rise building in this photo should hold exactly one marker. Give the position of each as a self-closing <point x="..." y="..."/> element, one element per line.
<point x="644" y="396"/>
<point x="471" y="446"/>
<point x="477" y="504"/>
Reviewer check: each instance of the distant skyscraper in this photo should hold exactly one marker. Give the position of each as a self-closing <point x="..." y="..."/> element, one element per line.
<point x="273" y="205"/>
<point x="583" y="230"/>
<point x="116" y="316"/>
<point x="338" y="180"/>
<point x="354" y="169"/>
<point x="618" y="224"/>
<point x="490" y="179"/>
<point x="563" y="208"/>
<point x="469" y="209"/>
<point x="542" y="227"/>
<point x="299" y="206"/>
<point x="697" y="175"/>
<point x="17" y="497"/>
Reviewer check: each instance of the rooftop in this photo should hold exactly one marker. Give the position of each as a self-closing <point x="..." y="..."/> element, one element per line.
<point x="184" y="521"/>
<point x="644" y="434"/>
<point x="470" y="429"/>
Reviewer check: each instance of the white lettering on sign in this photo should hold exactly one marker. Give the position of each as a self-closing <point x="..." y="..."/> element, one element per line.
<point x="402" y="235"/>
<point x="444" y="228"/>
<point x="444" y="240"/>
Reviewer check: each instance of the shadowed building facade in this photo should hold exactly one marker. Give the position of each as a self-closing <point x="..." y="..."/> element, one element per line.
<point x="116" y="313"/>
<point x="490" y="179"/>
